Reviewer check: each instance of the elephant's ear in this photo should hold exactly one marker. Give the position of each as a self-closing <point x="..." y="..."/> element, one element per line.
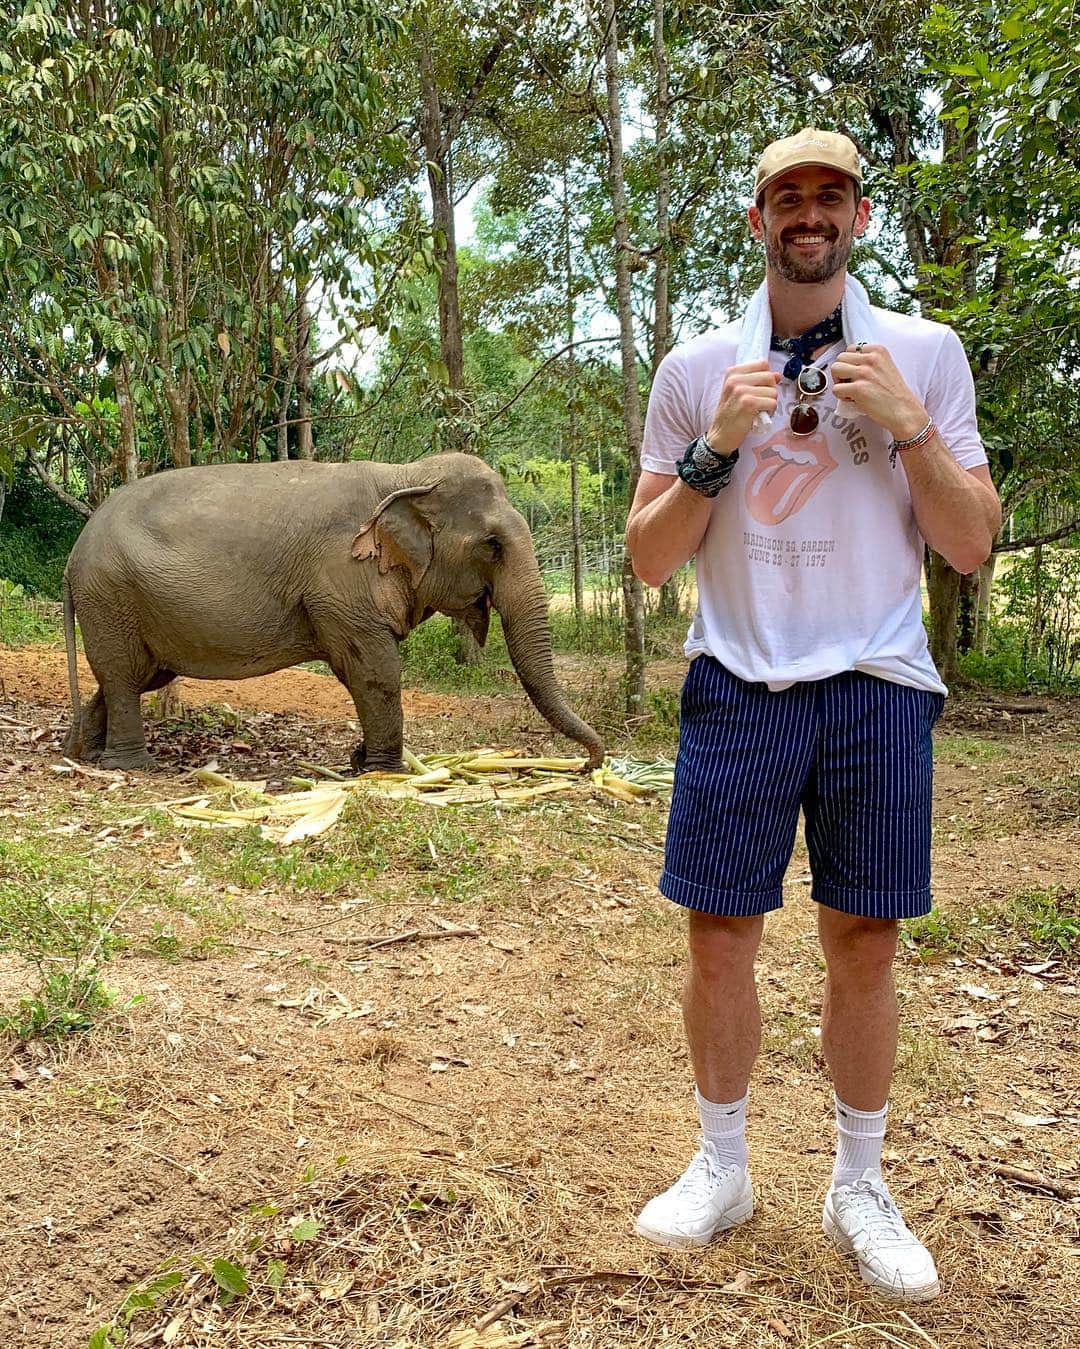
<point x="397" y="535"/>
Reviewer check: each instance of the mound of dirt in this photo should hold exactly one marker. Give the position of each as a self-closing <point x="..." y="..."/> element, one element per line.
<point x="39" y="675"/>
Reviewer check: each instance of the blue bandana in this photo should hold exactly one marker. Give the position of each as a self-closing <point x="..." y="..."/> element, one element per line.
<point x="801" y="348"/>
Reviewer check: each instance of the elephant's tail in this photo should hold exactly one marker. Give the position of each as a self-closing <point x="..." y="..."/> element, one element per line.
<point x="74" y="740"/>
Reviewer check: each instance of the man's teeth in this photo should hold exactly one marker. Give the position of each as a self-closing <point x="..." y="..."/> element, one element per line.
<point x="808" y="239"/>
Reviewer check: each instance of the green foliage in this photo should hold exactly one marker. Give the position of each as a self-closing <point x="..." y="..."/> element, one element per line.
<point x="37" y="531"/>
<point x="1004" y="664"/>
<point x="429" y="657"/>
<point x="932" y="937"/>
<point x="231" y="1280"/>
<point x="23" y="620"/>
<point x="143" y="1297"/>
<point x="1034" y="640"/>
<point x="1047" y="920"/>
<point x="967" y="749"/>
<point x="173" y="188"/>
<point x="53" y="917"/>
<point x="1042" y="593"/>
<point x="1050" y="918"/>
<point x="64" y="1003"/>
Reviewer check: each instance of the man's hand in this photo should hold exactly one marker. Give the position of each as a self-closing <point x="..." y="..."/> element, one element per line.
<point x="748" y="389"/>
<point x="865" y="376"/>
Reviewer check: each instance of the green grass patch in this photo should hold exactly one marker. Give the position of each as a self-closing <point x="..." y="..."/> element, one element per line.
<point x="933" y="937"/>
<point x="1029" y="924"/>
<point x="427" y="854"/>
<point x="968" y="749"/>
<point x="56" y="915"/>
<point x="1050" y="919"/>
<point x="430" y="659"/>
<point x="26" y="621"/>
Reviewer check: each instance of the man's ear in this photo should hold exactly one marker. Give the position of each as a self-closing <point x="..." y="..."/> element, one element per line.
<point x="757" y="225"/>
<point x="862" y="217"/>
<point x="397" y="535"/>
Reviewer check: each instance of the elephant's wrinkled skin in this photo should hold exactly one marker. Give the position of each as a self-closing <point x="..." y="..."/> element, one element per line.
<point x="233" y="570"/>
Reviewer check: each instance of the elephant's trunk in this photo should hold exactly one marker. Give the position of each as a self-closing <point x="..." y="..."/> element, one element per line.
<point x="522" y="605"/>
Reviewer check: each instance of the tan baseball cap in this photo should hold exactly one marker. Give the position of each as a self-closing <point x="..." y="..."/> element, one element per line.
<point x="808" y="146"/>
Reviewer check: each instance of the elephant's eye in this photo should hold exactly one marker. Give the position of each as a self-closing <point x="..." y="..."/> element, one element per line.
<point x="494" y="546"/>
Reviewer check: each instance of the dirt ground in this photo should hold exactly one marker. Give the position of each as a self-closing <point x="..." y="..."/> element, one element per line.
<point x="407" y="1084"/>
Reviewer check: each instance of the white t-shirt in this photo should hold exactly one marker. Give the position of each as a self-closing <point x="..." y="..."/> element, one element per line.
<point x="811" y="562"/>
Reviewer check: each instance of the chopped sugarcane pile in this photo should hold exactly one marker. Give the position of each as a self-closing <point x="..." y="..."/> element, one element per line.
<point x="464" y="779"/>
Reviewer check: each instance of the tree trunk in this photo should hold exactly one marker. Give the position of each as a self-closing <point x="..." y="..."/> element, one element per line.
<point x="571" y="408"/>
<point x="129" y="441"/>
<point x="943" y="585"/>
<point x="438" y="152"/>
<point x="177" y="386"/>
<point x="967" y="612"/>
<point x="305" y="447"/>
<point x="575" y="537"/>
<point x="661" y="345"/>
<point x="282" y="366"/>
<point x="986" y="586"/>
<point x="662" y="271"/>
<point x="633" y="591"/>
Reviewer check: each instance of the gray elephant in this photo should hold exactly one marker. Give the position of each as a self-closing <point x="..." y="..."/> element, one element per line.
<point x="233" y="570"/>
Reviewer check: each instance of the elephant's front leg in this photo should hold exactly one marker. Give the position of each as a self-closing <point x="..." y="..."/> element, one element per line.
<point x="374" y="680"/>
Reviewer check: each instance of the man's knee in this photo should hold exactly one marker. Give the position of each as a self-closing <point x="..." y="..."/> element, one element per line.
<point x="722" y="946"/>
<point x="857" y="949"/>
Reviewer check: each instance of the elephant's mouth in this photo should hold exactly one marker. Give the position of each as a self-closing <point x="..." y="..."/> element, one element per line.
<point x="477" y="616"/>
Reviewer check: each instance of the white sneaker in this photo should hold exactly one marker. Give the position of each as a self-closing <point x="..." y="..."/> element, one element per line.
<point x="862" y="1219"/>
<point x="708" y="1197"/>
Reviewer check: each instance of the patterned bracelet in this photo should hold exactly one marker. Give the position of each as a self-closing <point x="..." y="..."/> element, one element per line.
<point x="705" y="471"/>
<point x="914" y="442"/>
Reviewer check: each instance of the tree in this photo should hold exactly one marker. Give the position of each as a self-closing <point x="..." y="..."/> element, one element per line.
<point x="176" y="184"/>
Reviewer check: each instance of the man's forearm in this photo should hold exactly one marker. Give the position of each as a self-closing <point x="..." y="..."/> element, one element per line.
<point x="667" y="531"/>
<point x="958" y="514"/>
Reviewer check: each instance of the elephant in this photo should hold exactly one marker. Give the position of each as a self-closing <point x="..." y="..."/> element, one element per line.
<point x="226" y="571"/>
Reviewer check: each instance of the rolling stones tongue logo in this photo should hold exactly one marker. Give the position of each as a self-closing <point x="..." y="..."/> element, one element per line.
<point x="787" y="473"/>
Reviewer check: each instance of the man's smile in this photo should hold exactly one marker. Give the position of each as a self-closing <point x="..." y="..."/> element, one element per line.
<point x="808" y="240"/>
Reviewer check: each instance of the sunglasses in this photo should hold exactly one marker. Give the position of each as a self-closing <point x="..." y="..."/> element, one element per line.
<point x="811" y="384"/>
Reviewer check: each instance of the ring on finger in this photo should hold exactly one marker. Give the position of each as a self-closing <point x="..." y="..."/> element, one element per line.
<point x="859" y="346"/>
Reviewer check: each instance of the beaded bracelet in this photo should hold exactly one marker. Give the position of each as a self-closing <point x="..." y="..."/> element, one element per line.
<point x="914" y="442"/>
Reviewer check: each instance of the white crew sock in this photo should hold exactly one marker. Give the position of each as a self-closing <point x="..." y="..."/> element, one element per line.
<point x="724" y="1126"/>
<point x="859" y="1136"/>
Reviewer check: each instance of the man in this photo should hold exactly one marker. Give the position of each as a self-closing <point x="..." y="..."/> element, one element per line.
<point x="804" y="465"/>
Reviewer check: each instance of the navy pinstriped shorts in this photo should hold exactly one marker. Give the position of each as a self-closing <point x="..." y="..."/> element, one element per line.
<point x="853" y="751"/>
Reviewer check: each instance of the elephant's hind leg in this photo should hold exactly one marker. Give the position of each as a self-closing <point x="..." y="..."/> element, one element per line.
<point x="124" y="666"/>
<point x="86" y="739"/>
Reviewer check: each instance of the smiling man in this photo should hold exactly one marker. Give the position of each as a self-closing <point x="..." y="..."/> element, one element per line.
<point x="803" y="456"/>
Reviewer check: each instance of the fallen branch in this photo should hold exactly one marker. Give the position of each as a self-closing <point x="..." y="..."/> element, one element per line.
<point x="70" y="766"/>
<point x="543" y="1286"/>
<point x="320" y="771"/>
<point x="1031" y="1180"/>
<point x="23" y="725"/>
<point x="413" y="934"/>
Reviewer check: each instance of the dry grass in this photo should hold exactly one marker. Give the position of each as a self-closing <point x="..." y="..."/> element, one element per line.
<point x="462" y="1129"/>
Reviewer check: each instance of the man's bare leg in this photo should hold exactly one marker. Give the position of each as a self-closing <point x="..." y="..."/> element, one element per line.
<point x="858" y="1017"/>
<point x="720" y="1003"/>
<point x="858" y="1036"/>
<point x="723" y="1027"/>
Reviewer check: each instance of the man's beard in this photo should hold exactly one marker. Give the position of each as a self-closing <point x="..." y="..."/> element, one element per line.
<point x="803" y="271"/>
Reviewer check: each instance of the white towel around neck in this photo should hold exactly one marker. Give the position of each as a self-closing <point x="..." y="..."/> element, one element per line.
<point x="757" y="328"/>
